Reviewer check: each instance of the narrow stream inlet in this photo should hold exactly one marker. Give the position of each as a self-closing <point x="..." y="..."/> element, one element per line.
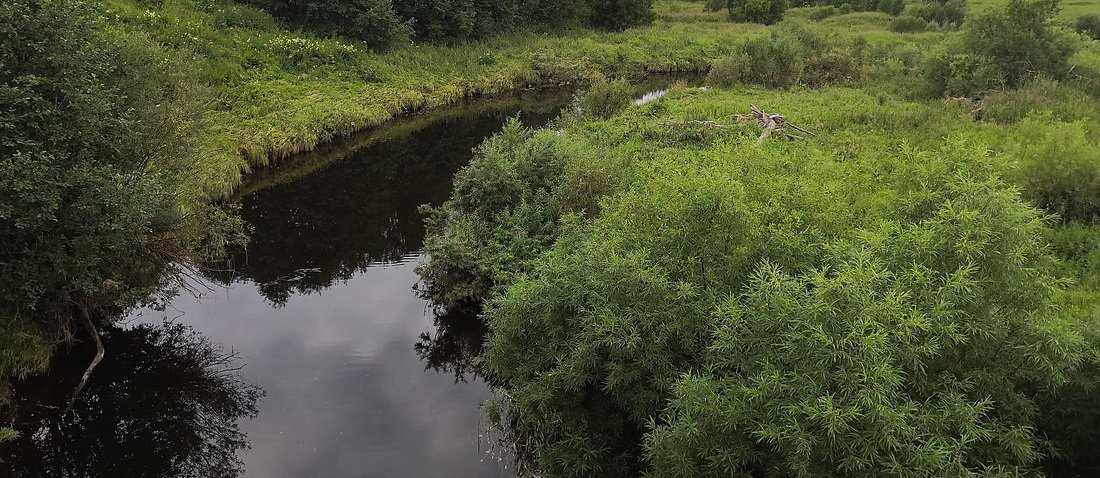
<point x="360" y="378"/>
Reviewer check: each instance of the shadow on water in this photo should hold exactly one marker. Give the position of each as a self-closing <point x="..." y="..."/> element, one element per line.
<point x="344" y="374"/>
<point x="166" y="404"/>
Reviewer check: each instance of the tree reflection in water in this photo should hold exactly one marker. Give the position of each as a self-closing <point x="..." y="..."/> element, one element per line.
<point x="165" y="402"/>
<point x="456" y="344"/>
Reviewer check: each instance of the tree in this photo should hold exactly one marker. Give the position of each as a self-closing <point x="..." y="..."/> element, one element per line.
<point x="757" y="11"/>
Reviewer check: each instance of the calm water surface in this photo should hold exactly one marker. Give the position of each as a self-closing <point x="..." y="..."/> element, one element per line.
<point x="358" y="376"/>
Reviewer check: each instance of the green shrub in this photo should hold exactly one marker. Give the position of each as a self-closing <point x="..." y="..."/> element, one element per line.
<point x="1021" y="39"/>
<point x="758" y="11"/>
<point x="943" y="12"/>
<point x="768" y="61"/>
<point x="1058" y="168"/>
<point x="822" y="13"/>
<point x="1062" y="101"/>
<point x="891" y="7"/>
<point x="717" y="321"/>
<point x="908" y="24"/>
<point x="374" y="22"/>
<point x="1089" y="25"/>
<point x="502" y="213"/>
<point x="618" y="15"/>
<point x="962" y="74"/>
<point x="90" y="141"/>
<point x="604" y="98"/>
<point x="715" y="5"/>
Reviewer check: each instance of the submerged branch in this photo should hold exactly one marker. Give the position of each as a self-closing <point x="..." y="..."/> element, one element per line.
<point x="99" y="353"/>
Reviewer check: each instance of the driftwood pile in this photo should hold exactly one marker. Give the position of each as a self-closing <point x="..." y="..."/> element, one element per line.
<point x="773" y="123"/>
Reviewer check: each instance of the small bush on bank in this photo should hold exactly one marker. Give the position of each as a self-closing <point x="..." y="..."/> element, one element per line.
<point x="619" y="15"/>
<point x="1058" y="168"/>
<point x="767" y="12"/>
<point x="942" y="12"/>
<point x="772" y="61"/>
<point x="1022" y="40"/>
<point x="1089" y="25"/>
<point x="908" y="24"/>
<point x="1002" y="48"/>
<point x="374" y="22"/>
<point x="822" y="13"/>
<point x="604" y="98"/>
<point x="962" y="74"/>
<point x="1063" y="101"/>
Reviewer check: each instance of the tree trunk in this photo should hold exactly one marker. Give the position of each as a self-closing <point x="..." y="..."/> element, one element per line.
<point x="99" y="353"/>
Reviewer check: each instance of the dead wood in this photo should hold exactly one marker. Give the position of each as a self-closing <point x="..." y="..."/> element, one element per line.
<point x="99" y="354"/>
<point x="773" y="124"/>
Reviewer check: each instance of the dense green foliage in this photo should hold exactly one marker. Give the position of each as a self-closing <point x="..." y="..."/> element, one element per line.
<point x="385" y="23"/>
<point x="606" y="97"/>
<point x="1089" y="25"/>
<point x="76" y="197"/>
<point x="618" y="15"/>
<point x="1002" y="48"/>
<point x="943" y="12"/>
<point x="871" y="301"/>
<point x="757" y="11"/>
<point x="908" y="24"/>
<point x="374" y="22"/>
<point x="94" y="137"/>
<point x="733" y="309"/>
<point x="791" y="54"/>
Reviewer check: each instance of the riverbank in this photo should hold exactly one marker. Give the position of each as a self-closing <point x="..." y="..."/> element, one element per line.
<point x="267" y="92"/>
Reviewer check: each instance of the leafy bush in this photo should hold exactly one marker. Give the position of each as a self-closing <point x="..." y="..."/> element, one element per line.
<point x="86" y="198"/>
<point x="908" y="24"/>
<point x="374" y="22"/>
<point x="1058" y="168"/>
<point x="1022" y="40"/>
<point x="891" y="7"/>
<point x="1062" y="101"/>
<point x="604" y="98"/>
<point x="618" y="15"/>
<point x="822" y="13"/>
<point x="943" y="12"/>
<point x="758" y="11"/>
<point x="1089" y="25"/>
<point x="962" y="74"/>
<point x="509" y="183"/>
<point x="715" y="5"/>
<point x="717" y="321"/>
<point x="769" y="61"/>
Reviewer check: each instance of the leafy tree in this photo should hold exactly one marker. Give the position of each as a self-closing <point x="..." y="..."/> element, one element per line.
<point x="374" y="22"/>
<point x="757" y="11"/>
<point x="93" y="139"/>
<point x="1022" y="40"/>
<point x="1089" y="25"/>
<point x="618" y="15"/>
<point x="943" y="12"/>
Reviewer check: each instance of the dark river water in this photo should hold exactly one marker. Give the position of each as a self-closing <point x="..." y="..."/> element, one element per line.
<point x="310" y="355"/>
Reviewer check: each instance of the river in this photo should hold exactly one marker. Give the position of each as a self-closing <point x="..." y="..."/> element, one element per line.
<point x="309" y="354"/>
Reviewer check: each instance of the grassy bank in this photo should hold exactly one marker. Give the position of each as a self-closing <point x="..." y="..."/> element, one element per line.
<point x="269" y="92"/>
